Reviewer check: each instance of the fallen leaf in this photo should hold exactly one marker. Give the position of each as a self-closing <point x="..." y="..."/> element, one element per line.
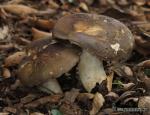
<point x="112" y="94"/>
<point x="4" y="113"/>
<point x="111" y="97"/>
<point x="123" y="2"/>
<point x="142" y="51"/>
<point x="145" y="63"/>
<point x="6" y="73"/>
<point x="127" y="86"/>
<point x="126" y="94"/>
<point x="47" y="99"/>
<point x="109" y="81"/>
<point x="28" y="98"/>
<point x="84" y="7"/>
<point x="107" y="111"/>
<point x="68" y="108"/>
<point x="36" y="113"/>
<point x="53" y="4"/>
<point x="4" y="31"/>
<point x="38" y="34"/>
<point x="139" y="2"/>
<point x="10" y="110"/>
<point x="19" y="9"/>
<point x="14" y="1"/>
<point x="43" y="23"/>
<point x="22" y="41"/>
<point x="15" y="85"/>
<point x="84" y="100"/>
<point x="70" y="96"/>
<point x="84" y="95"/>
<point x="14" y="59"/>
<point x="142" y="42"/>
<point x="7" y="46"/>
<point x="98" y="102"/>
<point x="134" y="99"/>
<point x="144" y="103"/>
<point x="89" y="2"/>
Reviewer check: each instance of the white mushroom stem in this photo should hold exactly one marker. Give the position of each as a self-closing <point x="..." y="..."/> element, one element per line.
<point x="91" y="71"/>
<point x="51" y="86"/>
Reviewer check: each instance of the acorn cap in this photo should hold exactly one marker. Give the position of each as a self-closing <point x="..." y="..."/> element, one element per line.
<point x="51" y="62"/>
<point x="102" y="36"/>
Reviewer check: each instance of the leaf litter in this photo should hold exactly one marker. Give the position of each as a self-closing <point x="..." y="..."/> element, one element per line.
<point x="24" y="21"/>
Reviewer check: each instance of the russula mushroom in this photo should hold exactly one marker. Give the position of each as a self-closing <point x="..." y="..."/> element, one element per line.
<point x="102" y="39"/>
<point x="46" y="62"/>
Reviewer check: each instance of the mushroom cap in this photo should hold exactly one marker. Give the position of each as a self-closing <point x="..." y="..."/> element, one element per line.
<point x="51" y="62"/>
<point x="103" y="36"/>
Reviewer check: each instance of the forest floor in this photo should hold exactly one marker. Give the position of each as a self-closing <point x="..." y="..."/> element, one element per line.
<point x="24" y="21"/>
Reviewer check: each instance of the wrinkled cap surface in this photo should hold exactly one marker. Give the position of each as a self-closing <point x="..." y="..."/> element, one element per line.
<point x="49" y="63"/>
<point x="100" y="35"/>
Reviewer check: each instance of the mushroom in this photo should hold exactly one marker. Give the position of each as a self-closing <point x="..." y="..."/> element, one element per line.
<point x="47" y="61"/>
<point x="102" y="38"/>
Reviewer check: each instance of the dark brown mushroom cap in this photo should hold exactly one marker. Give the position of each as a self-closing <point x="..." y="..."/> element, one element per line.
<point x="55" y="60"/>
<point x="37" y="46"/>
<point x="102" y="36"/>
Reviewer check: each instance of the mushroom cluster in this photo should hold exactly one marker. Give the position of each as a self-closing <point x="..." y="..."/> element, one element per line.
<point x="92" y="40"/>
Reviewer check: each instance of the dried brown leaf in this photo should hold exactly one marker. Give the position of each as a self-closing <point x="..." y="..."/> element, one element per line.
<point x="4" y="113"/>
<point x="6" y="73"/>
<point x="84" y="7"/>
<point x="36" y="113"/>
<point x="130" y="99"/>
<point x="22" y="41"/>
<point x="139" y="2"/>
<point x="70" y="96"/>
<point x="53" y="4"/>
<point x="47" y="99"/>
<point x="4" y="31"/>
<point x="38" y="34"/>
<point x="14" y="1"/>
<point x="19" y="9"/>
<point x="15" y="85"/>
<point x="109" y="81"/>
<point x="145" y="64"/>
<point x="126" y="94"/>
<point x="28" y="98"/>
<point x="7" y="46"/>
<point x="89" y="2"/>
<point x="43" y="23"/>
<point x="128" y="86"/>
<point x="112" y="94"/>
<point x="15" y="58"/>
<point x="142" y="42"/>
<point x="142" y="51"/>
<point x="85" y="95"/>
<point x="144" y="102"/>
<point x="10" y="109"/>
<point x="98" y="102"/>
<point x="68" y="108"/>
